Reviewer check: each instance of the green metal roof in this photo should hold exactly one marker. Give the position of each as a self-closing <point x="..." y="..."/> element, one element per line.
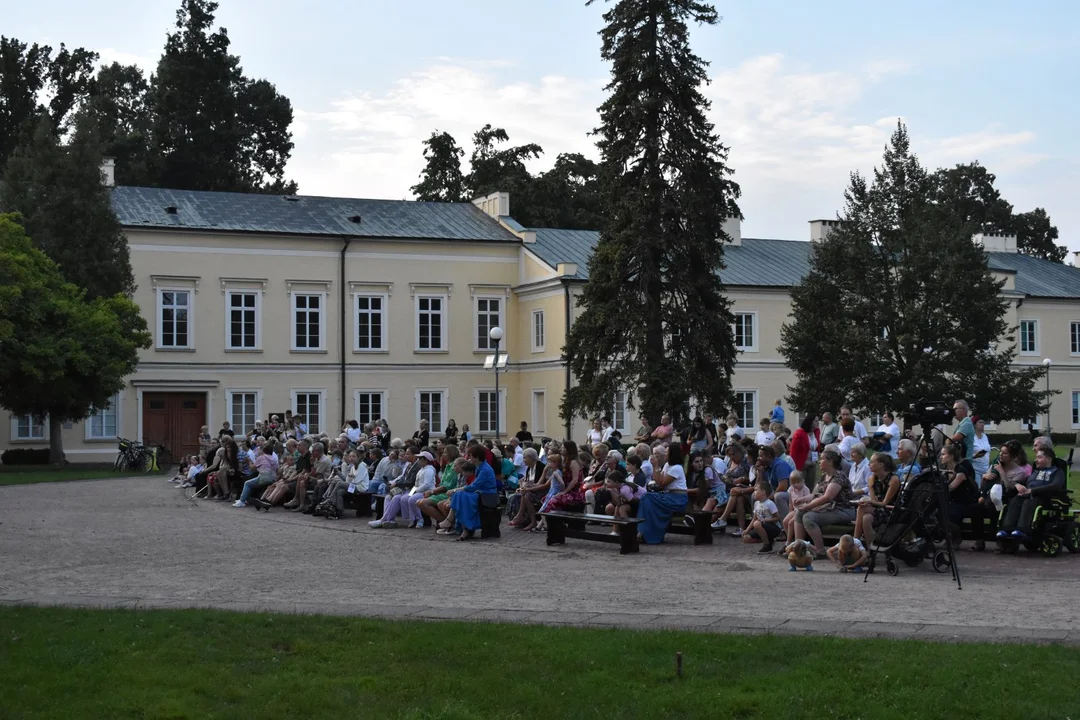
<point x="304" y="215"/>
<point x="761" y="262"/>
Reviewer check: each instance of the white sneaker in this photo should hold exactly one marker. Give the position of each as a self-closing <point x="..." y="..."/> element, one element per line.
<point x="375" y="524"/>
<point x="239" y="503"/>
<point x="719" y="524"/>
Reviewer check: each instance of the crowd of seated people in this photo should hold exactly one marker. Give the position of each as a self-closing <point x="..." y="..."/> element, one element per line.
<point x="778" y="486"/>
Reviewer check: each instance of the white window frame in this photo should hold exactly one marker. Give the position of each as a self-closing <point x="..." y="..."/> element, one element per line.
<point x="754" y="417"/>
<point x="501" y="410"/>
<point x="228" y="320"/>
<point x="383" y="394"/>
<point x="1036" y="425"/>
<point x="489" y="345"/>
<point x="1074" y="332"/>
<point x="1074" y="395"/>
<point x="322" y="294"/>
<point x="1020" y="338"/>
<point x="752" y="314"/>
<point x="384" y="300"/>
<point x="876" y="420"/>
<point x="434" y="429"/>
<point x="159" y="333"/>
<point x="624" y="430"/>
<point x="538" y="315"/>
<point x="444" y="337"/>
<point x="229" y="392"/>
<point x="539" y="414"/>
<point x="114" y="407"/>
<point x="44" y="438"/>
<point x="321" y="392"/>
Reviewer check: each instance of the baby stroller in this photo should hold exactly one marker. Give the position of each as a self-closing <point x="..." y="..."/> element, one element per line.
<point x="916" y="526"/>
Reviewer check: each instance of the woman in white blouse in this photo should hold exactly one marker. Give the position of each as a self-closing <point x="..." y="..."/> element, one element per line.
<point x="657" y="508"/>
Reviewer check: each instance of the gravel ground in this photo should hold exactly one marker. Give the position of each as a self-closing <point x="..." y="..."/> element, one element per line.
<point x="137" y="542"/>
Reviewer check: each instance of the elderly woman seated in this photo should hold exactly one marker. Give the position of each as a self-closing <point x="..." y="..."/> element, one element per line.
<point x="829" y="505"/>
<point x="405" y="503"/>
<point x="657" y="508"/>
<point x="281" y="490"/>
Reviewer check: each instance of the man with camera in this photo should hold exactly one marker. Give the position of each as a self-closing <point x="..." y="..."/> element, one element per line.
<point x="965" y="431"/>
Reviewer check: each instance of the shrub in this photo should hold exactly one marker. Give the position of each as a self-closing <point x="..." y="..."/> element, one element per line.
<point x="25" y="456"/>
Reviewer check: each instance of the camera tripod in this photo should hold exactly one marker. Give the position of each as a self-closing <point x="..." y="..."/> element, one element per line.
<point x="939" y="499"/>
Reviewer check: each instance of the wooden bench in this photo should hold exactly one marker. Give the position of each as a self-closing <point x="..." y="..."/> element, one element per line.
<point x="559" y="528"/>
<point x="361" y="502"/>
<point x="701" y="530"/>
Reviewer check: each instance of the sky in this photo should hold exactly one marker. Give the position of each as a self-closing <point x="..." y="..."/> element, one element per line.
<point x="802" y="93"/>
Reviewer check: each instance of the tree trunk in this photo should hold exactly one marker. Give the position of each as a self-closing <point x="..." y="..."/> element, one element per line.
<point x="56" y="442"/>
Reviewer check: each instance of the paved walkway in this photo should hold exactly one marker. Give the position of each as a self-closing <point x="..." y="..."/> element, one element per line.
<point x="137" y="543"/>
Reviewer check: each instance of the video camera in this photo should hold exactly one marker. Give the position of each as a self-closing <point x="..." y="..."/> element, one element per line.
<point x="929" y="413"/>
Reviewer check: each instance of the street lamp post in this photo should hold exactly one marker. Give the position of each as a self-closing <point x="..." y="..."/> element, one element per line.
<point x="496" y="336"/>
<point x="1047" y="363"/>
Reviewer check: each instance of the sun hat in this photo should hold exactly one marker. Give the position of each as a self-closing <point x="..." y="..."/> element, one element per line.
<point x="427" y="456"/>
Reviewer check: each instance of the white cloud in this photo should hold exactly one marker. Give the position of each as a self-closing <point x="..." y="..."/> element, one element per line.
<point x="110" y="55"/>
<point x="795" y="134"/>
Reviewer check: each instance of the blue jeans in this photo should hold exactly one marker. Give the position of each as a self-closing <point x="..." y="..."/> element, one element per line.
<point x="378" y="488"/>
<point x="252" y="484"/>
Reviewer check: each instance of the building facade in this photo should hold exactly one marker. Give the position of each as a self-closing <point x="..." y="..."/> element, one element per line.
<point x="360" y="309"/>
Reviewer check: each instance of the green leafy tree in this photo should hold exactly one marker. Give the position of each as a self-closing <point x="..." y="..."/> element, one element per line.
<point x="495" y="169"/>
<point x="58" y="191"/>
<point x="654" y="316"/>
<point x="900" y="305"/>
<point x="441" y="180"/>
<point x="568" y="195"/>
<point x="118" y="104"/>
<point x="215" y="128"/>
<point x="62" y="356"/>
<point x="1036" y="236"/>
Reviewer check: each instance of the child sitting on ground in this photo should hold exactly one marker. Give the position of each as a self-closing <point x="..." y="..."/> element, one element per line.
<point x="799" y="555"/>
<point x="766" y="523"/>
<point x="195" y="466"/>
<point x="848" y="554"/>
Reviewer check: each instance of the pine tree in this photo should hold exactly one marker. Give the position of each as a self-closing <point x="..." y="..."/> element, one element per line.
<point x="900" y="305"/>
<point x="654" y="317"/>
<point x="441" y="179"/>
<point x="65" y="207"/>
<point x="214" y="128"/>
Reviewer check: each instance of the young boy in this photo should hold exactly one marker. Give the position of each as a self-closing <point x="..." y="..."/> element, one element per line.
<point x="765" y="436"/>
<point x="799" y="555"/>
<point x="766" y="522"/>
<point x="848" y="554"/>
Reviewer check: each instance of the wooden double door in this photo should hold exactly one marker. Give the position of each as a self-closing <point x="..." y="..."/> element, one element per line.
<point x="174" y="420"/>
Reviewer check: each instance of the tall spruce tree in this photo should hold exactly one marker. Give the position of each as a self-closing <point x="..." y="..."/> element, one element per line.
<point x="654" y="317"/>
<point x="900" y="305"/>
<point x="215" y="128"/>
<point x="441" y="179"/>
<point x="57" y="189"/>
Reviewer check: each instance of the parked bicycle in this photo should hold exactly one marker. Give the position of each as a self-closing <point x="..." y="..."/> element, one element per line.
<point x="133" y="456"/>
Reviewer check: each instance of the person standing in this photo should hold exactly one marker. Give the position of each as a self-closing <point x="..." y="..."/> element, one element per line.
<point x="829" y="431"/>
<point x="777" y="414"/>
<point x="965" y="430"/>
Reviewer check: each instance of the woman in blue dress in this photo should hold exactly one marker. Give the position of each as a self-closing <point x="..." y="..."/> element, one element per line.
<point x="657" y="508"/>
<point x="466" y="502"/>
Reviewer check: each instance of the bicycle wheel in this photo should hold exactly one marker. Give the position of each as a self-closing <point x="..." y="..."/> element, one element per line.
<point x="119" y="464"/>
<point x="148" y="463"/>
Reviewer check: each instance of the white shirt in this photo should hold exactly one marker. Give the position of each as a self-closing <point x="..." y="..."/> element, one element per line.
<point x="845" y="446"/>
<point x="425" y="480"/>
<point x="765" y="510"/>
<point x="719" y="465"/>
<point x="981" y="465"/>
<point x="605" y="435"/>
<point x="733" y="432"/>
<point x="859" y="476"/>
<point x="353" y="433"/>
<point x="647" y="468"/>
<point x="765" y="437"/>
<point x="519" y="461"/>
<point x="860" y="430"/>
<point x="894" y="441"/>
<point x="679" y="475"/>
<point x="359" y="476"/>
<point x="595" y="437"/>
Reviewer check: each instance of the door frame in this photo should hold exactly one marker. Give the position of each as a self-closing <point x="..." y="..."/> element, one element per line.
<point x="139" y="391"/>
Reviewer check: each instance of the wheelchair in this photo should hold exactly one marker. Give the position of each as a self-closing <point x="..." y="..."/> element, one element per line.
<point x="1052" y="528"/>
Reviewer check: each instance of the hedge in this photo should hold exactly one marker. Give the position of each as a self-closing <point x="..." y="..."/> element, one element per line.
<point x="25" y="456"/>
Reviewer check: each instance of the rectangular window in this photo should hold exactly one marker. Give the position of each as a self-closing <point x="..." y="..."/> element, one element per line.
<point x="486" y="411"/>
<point x="1029" y="337"/>
<point x="746" y="408"/>
<point x="309" y="406"/>
<point x="1075" y="408"/>
<point x="370" y="322"/>
<point x="618" y="412"/>
<point x="243" y="321"/>
<point x="1074" y="338"/>
<point x="243" y="407"/>
<point x="102" y="424"/>
<point x="27" y="427"/>
<point x="174" y="319"/>
<point x="430" y="407"/>
<point x="307" y="322"/>
<point x="1033" y="422"/>
<point x="539" y="413"/>
<point x="488" y="315"/>
<point x="875" y="420"/>
<point x="745" y="339"/>
<point x="537" y="330"/>
<point x="429" y="323"/>
<point x="369" y="406"/>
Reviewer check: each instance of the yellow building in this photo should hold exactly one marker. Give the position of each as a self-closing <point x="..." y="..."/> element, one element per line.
<point x="342" y="308"/>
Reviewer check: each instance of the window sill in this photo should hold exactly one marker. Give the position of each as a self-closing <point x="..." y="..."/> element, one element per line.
<point x="175" y="350"/>
<point x="308" y="352"/>
<point x="243" y="350"/>
<point x="537" y="351"/>
<point x="746" y="349"/>
<point x="101" y="440"/>
<point x="31" y="441"/>
<point x="432" y="352"/>
<point x="370" y="352"/>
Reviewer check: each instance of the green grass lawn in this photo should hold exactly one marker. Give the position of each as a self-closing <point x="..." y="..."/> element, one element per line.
<point x="28" y="474"/>
<point x="193" y="664"/>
